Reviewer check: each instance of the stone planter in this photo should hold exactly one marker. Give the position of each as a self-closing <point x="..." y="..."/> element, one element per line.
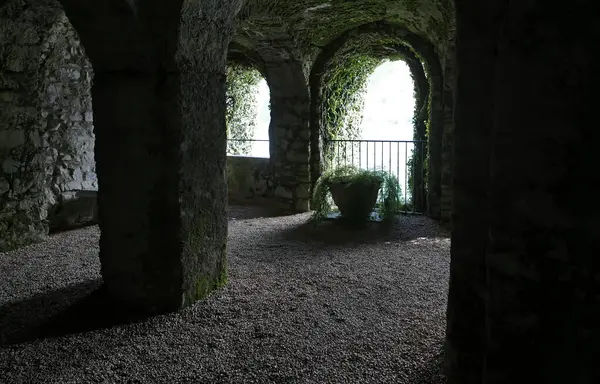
<point x="355" y="201"/>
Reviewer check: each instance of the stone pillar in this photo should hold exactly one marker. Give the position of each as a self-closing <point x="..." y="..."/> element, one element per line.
<point x="204" y="36"/>
<point x="448" y="129"/>
<point x="434" y="143"/>
<point x="137" y="163"/>
<point x="542" y="258"/>
<point x="538" y="246"/>
<point x="289" y="134"/>
<point x="159" y="117"/>
<point x="473" y="116"/>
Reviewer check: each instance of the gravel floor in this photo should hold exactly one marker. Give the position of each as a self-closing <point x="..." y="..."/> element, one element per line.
<point x="304" y="305"/>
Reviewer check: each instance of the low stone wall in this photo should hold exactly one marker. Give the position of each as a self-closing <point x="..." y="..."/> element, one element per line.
<point x="249" y="179"/>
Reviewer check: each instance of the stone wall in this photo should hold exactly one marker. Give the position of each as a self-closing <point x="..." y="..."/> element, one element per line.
<point x="46" y="129"/>
<point x="289" y="134"/>
<point x="249" y="179"/>
<point x="289" y="131"/>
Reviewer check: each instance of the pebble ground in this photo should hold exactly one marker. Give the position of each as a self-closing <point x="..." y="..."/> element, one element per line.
<point x="304" y="304"/>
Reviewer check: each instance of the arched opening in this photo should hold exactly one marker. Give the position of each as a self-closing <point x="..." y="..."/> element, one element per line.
<point x="339" y="127"/>
<point x="387" y="128"/>
<point x="46" y="126"/>
<point x="248" y="112"/>
<point x="248" y="140"/>
<point x="282" y="178"/>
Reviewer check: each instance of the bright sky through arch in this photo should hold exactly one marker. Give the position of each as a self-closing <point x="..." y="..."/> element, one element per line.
<point x="388" y="109"/>
<point x="389" y="103"/>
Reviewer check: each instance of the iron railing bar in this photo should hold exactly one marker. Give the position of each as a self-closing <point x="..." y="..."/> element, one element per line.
<point x="377" y="141"/>
<point x="398" y="168"/>
<point x="390" y="157"/>
<point x="335" y="146"/>
<point x="405" y="172"/>
<point x="374" y="156"/>
<point x="422" y="189"/>
<point x="359" y="154"/>
<point x="412" y="170"/>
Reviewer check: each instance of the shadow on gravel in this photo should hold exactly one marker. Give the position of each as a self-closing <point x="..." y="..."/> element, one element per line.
<point x="74" y="309"/>
<point x="432" y="372"/>
<point x="337" y="233"/>
<point x="244" y="212"/>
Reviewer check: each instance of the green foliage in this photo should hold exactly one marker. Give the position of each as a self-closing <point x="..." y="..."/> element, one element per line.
<point x="344" y="90"/>
<point x="390" y="189"/>
<point x="242" y="107"/>
<point x="323" y="21"/>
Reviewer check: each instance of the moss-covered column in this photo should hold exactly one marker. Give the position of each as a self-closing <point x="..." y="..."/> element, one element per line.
<point x="289" y="134"/>
<point x="159" y="109"/>
<point x="434" y="143"/>
<point x="420" y="119"/>
<point x="205" y="34"/>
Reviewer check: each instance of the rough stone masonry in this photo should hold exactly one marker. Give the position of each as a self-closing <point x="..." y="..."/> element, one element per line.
<point x="46" y="128"/>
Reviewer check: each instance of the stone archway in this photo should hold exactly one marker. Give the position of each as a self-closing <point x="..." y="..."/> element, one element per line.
<point x="419" y="48"/>
<point x="289" y="129"/>
<point x="249" y="178"/>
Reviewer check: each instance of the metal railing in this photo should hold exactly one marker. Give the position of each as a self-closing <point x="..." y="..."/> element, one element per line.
<point x="248" y="147"/>
<point x="403" y="159"/>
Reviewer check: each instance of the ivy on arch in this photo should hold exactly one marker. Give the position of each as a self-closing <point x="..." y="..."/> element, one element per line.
<point x="338" y="83"/>
<point x="242" y="106"/>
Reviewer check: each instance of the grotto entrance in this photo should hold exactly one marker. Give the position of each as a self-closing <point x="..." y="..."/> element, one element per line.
<point x="338" y="76"/>
<point x="248" y="149"/>
<point x="380" y="131"/>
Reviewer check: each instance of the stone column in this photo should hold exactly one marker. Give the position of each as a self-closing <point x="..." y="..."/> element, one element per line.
<point x="289" y="134"/>
<point x="524" y="274"/>
<point x="448" y="129"/>
<point x="434" y="143"/>
<point x="473" y="116"/>
<point x="159" y="121"/>
<point x="204" y="36"/>
<point x="137" y="162"/>
<point x="542" y="255"/>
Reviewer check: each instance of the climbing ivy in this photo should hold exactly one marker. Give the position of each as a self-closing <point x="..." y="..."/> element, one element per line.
<point x="343" y="97"/>
<point x="343" y="90"/>
<point x="242" y="107"/>
<point x="344" y="86"/>
<point x="316" y="23"/>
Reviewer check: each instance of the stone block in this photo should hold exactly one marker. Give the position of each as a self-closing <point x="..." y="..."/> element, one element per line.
<point x="297" y="157"/>
<point x="302" y="205"/>
<point x="74" y="209"/>
<point x="4" y="186"/>
<point x="283" y="192"/>
<point x="302" y="191"/>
